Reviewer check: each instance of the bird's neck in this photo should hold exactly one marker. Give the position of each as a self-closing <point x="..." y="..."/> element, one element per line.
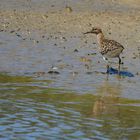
<point x="100" y="38"/>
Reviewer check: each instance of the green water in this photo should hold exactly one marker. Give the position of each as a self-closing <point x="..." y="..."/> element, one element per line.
<point x="29" y="110"/>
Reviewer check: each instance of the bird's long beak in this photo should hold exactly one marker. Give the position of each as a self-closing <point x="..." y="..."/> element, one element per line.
<point x="88" y="32"/>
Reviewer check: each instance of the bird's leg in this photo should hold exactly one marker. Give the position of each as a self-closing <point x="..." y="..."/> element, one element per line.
<point x="107" y="66"/>
<point x="119" y="65"/>
<point x="119" y="60"/>
<point x="119" y="69"/>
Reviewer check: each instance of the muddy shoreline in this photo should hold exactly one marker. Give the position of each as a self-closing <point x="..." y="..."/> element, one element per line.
<point x="29" y="26"/>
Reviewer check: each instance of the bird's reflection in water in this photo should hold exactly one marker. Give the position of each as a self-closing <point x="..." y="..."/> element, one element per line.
<point x="108" y="97"/>
<point x="119" y="72"/>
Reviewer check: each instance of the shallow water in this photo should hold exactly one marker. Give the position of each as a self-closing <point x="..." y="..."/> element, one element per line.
<point x="32" y="111"/>
<point x="53" y="81"/>
<point x="81" y="102"/>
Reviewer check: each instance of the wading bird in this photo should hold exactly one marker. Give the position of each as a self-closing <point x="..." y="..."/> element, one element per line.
<point x="108" y="48"/>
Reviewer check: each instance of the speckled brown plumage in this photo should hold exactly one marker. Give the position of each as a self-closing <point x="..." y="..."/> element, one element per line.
<point x="111" y="48"/>
<point x="108" y="48"/>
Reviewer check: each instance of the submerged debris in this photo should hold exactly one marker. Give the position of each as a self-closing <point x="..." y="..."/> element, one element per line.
<point x="53" y="72"/>
<point x="18" y="35"/>
<point x="92" y="53"/>
<point x="76" y="50"/>
<point x="89" y="72"/>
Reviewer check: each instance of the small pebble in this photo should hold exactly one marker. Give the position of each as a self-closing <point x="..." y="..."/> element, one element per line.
<point x="76" y="50"/>
<point x="12" y="31"/>
<point x="45" y="17"/>
<point x="68" y="9"/>
<point x="52" y="5"/>
<point x="134" y="57"/>
<point x="86" y="42"/>
<point x="18" y="35"/>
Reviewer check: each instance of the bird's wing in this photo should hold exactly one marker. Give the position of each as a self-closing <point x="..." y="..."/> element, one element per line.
<point x="110" y="45"/>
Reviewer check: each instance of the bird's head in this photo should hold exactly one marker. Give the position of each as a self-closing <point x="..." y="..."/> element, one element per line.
<point x="94" y="31"/>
